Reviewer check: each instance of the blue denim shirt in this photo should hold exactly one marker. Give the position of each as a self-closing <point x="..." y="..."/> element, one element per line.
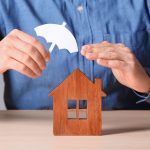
<point x="118" y="21"/>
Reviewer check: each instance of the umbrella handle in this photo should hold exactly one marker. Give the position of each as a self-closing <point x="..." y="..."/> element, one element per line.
<point x="53" y="44"/>
<point x="52" y="47"/>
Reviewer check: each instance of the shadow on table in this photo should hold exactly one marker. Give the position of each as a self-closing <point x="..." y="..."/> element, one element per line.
<point x="125" y="130"/>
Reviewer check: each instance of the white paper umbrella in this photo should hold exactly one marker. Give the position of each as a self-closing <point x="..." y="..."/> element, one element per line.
<point x="58" y="35"/>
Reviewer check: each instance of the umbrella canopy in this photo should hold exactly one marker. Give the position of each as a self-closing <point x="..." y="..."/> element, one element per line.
<point x="58" y="35"/>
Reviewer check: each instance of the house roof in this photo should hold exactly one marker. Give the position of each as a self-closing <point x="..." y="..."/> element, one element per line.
<point x="75" y="79"/>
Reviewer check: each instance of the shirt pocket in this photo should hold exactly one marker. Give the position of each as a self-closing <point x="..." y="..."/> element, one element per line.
<point x="138" y="42"/>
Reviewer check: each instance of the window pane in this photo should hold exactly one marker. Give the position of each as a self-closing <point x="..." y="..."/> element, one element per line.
<point x="72" y="104"/>
<point x="72" y="114"/>
<point x="82" y="104"/>
<point x="82" y="114"/>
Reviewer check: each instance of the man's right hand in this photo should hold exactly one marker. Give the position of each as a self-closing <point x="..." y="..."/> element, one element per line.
<point x="23" y="53"/>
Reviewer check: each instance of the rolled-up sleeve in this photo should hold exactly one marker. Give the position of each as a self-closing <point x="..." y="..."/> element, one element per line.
<point x="144" y="97"/>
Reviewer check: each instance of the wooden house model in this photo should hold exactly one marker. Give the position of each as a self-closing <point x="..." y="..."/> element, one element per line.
<point x="85" y="116"/>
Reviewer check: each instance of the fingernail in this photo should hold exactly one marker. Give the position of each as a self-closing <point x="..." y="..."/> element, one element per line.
<point x="34" y="76"/>
<point x="43" y="67"/>
<point x="39" y="72"/>
<point x="99" y="61"/>
<point x="88" y="55"/>
<point x="85" y="47"/>
<point x="83" y="52"/>
<point x="47" y="58"/>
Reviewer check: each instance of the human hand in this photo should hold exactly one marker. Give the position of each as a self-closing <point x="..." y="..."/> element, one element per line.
<point x="23" y="53"/>
<point x="125" y="67"/>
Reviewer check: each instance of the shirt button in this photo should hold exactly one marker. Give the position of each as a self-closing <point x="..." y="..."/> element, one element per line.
<point x="80" y="8"/>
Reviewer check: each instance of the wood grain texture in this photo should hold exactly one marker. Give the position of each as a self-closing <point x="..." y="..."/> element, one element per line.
<point x="77" y="87"/>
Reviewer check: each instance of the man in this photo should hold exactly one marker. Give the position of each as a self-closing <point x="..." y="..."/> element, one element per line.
<point x="30" y="75"/>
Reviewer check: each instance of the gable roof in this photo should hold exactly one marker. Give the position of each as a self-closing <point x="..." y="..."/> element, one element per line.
<point x="76" y="74"/>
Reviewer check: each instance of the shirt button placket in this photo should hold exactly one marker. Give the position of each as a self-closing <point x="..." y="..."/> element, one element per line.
<point x="81" y="8"/>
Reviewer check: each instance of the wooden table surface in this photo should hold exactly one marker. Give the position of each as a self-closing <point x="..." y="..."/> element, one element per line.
<point x="32" y="130"/>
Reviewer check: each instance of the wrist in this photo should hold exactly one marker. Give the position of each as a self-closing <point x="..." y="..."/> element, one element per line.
<point x="143" y="86"/>
<point x="146" y="88"/>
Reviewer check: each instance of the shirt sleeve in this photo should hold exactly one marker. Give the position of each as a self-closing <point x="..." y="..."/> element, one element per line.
<point x="1" y="29"/>
<point x="144" y="97"/>
<point x="1" y="24"/>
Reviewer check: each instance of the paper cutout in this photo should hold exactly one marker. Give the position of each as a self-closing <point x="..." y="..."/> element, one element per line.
<point x="58" y="35"/>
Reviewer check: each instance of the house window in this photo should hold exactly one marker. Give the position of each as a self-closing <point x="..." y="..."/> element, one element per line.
<point x="77" y="109"/>
<point x="72" y="105"/>
<point x="72" y="114"/>
<point x="83" y="109"/>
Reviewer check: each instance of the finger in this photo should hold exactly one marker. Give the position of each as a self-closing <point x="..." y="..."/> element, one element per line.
<point x="112" y="56"/>
<point x="25" y="59"/>
<point x="121" y="47"/>
<point x="15" y="65"/>
<point x="29" y="50"/>
<point x="101" y="44"/>
<point x="96" y="49"/>
<point x="119" y="52"/>
<point x="89" y="47"/>
<point x="114" y="64"/>
<point x="96" y="53"/>
<point x="92" y="56"/>
<point x="34" y="42"/>
<point x="85" y="49"/>
<point x="104" y="44"/>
